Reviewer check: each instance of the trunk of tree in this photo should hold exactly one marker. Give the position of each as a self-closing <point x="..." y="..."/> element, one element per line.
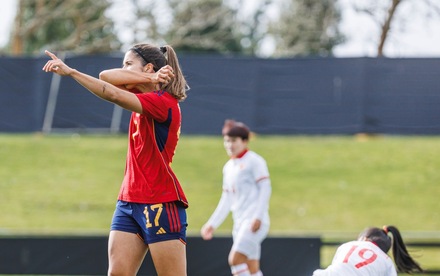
<point x="386" y="27"/>
<point x="17" y="34"/>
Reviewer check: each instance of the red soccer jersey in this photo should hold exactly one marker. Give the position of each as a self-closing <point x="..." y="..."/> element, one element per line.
<point x="153" y="137"/>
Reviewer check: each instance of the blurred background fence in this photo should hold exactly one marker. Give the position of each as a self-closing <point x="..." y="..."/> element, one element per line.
<point x="86" y="255"/>
<point x="274" y="96"/>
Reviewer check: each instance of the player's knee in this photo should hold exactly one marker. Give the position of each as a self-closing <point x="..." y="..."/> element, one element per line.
<point x="119" y="271"/>
<point x="112" y="272"/>
<point x="240" y="270"/>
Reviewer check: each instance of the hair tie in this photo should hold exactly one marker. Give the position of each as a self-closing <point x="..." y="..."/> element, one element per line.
<point x="163" y="49"/>
<point x="385" y="229"/>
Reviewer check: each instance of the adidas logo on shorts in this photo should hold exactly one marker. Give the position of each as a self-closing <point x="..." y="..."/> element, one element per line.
<point x="161" y="231"/>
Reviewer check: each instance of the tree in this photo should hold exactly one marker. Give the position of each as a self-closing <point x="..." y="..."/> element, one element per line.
<point x="206" y="26"/>
<point x="203" y="26"/>
<point x="252" y="23"/>
<point x="144" y="23"/>
<point x="78" y="26"/>
<point x="306" y="27"/>
<point x="386" y="14"/>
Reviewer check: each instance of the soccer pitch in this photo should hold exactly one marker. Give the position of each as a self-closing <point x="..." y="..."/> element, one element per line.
<point x="331" y="186"/>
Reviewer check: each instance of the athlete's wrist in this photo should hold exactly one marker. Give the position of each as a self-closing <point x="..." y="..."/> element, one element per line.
<point x="72" y="72"/>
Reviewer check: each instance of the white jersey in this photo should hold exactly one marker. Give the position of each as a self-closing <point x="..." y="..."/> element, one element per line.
<point x="246" y="191"/>
<point x="359" y="258"/>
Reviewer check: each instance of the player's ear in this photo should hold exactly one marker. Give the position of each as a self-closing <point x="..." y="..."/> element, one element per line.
<point x="149" y="68"/>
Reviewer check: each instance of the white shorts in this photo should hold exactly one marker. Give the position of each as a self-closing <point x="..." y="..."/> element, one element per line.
<point x="247" y="242"/>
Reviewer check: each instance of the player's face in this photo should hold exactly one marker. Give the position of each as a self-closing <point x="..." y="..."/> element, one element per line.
<point x="132" y="62"/>
<point x="234" y="145"/>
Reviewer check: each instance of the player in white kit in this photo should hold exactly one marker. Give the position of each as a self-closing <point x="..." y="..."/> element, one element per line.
<point x="246" y="193"/>
<point x="368" y="255"/>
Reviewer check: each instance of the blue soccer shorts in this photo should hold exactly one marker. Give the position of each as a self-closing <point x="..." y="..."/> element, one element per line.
<point x="151" y="222"/>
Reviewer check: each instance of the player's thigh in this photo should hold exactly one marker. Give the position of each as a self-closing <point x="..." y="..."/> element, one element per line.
<point x="247" y="242"/>
<point x="236" y="258"/>
<point x="169" y="257"/>
<point x="126" y="251"/>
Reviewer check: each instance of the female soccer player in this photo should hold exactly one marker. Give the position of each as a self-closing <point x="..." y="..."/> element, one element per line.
<point x="368" y="255"/>
<point x="246" y="192"/>
<point x="151" y="209"/>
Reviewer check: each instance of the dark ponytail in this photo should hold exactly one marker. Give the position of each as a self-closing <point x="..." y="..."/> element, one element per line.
<point x="178" y="85"/>
<point x="159" y="57"/>
<point x="403" y="260"/>
<point x="380" y="237"/>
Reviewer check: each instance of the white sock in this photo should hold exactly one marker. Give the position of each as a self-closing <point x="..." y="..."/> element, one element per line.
<point x="240" y="270"/>
<point x="259" y="273"/>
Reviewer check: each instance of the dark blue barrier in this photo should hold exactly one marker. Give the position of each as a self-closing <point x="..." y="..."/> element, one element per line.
<point x="88" y="256"/>
<point x="273" y="96"/>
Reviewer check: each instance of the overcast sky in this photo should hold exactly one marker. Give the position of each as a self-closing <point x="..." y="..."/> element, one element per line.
<point x="417" y="37"/>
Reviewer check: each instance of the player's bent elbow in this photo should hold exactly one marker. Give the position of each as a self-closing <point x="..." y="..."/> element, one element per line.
<point x="125" y="100"/>
<point x="103" y="75"/>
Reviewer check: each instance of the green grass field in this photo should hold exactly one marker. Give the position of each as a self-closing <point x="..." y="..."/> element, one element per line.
<point x="329" y="186"/>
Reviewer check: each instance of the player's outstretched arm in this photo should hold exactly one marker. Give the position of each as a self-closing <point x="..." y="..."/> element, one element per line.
<point x="100" y="88"/>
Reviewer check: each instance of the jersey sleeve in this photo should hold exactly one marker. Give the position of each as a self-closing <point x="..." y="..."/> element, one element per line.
<point x="265" y="191"/>
<point x="222" y="210"/>
<point x="261" y="176"/>
<point x="259" y="168"/>
<point x="154" y="105"/>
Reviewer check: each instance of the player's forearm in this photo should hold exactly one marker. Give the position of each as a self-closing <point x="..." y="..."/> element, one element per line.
<point x="122" y="77"/>
<point x="221" y="211"/>
<point x="97" y="87"/>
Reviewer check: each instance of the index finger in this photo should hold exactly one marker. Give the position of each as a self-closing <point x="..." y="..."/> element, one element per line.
<point x="51" y="55"/>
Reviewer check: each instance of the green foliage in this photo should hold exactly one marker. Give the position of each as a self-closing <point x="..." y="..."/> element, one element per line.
<point x="79" y="26"/>
<point x="298" y="28"/>
<point x="307" y="28"/>
<point x="203" y="26"/>
<point x="295" y="27"/>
